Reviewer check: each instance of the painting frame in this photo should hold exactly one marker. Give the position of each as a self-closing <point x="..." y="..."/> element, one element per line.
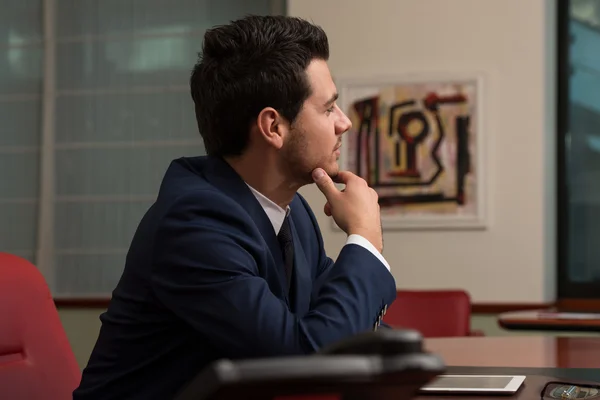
<point x="349" y="88"/>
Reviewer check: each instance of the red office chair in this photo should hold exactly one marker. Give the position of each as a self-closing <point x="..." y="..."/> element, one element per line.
<point x="434" y="313"/>
<point x="36" y="360"/>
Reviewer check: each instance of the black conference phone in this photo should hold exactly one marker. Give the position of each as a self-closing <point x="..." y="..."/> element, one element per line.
<point x="385" y="364"/>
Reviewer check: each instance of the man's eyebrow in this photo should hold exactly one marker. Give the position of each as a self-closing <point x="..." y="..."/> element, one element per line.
<point x="331" y="100"/>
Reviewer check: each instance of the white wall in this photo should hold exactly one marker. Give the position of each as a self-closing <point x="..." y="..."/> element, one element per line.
<point x="512" y="42"/>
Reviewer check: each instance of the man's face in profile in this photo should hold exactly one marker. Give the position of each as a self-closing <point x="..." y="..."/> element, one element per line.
<point x="316" y="135"/>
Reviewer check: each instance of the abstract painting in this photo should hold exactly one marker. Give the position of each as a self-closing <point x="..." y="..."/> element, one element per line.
<point x="419" y="143"/>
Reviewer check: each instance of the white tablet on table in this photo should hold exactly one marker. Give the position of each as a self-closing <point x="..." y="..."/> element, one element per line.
<point x="484" y="384"/>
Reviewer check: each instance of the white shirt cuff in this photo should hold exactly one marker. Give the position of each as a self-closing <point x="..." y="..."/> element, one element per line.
<point x="361" y="241"/>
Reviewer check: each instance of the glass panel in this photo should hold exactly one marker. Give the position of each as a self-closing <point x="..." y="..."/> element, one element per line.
<point x="106" y="48"/>
<point x="106" y="17"/>
<point x="120" y="171"/>
<point x="19" y="175"/>
<point x="585" y="11"/>
<point x="126" y="117"/>
<point x="20" y="123"/>
<point x="20" y="21"/>
<point x="20" y="73"/>
<point x="222" y="11"/>
<point x="88" y="275"/>
<point x="21" y="70"/>
<point x="582" y="144"/>
<point x="583" y="89"/>
<point x="583" y="50"/>
<point x="29" y="255"/>
<point x="97" y="225"/>
<point x="17" y="230"/>
<point x="154" y="61"/>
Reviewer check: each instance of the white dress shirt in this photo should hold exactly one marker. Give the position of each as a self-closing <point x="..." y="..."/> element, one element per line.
<point x="277" y="214"/>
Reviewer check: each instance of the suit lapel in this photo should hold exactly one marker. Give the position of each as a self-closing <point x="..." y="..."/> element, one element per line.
<point x="221" y="175"/>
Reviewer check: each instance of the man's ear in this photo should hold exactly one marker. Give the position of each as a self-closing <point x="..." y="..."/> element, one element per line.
<point x="272" y="126"/>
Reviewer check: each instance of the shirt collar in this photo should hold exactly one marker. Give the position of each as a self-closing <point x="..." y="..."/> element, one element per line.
<point x="274" y="212"/>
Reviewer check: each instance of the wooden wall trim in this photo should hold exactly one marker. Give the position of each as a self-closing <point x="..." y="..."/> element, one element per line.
<point x="497" y="308"/>
<point x="579" y="304"/>
<point x="82" y="303"/>
<point x="476" y="308"/>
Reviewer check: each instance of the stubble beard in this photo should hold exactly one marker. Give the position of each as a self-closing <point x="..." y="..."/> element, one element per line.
<point x="297" y="162"/>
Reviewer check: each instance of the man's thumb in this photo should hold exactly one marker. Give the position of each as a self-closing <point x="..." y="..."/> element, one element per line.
<point x="323" y="181"/>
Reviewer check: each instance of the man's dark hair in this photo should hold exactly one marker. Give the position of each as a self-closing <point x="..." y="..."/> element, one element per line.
<point x="247" y="65"/>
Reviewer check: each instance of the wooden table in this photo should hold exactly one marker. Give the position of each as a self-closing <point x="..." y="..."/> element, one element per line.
<point x="540" y="358"/>
<point x="550" y="320"/>
<point x="518" y="351"/>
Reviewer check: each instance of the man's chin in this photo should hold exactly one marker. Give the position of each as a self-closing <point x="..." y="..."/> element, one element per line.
<point x="333" y="170"/>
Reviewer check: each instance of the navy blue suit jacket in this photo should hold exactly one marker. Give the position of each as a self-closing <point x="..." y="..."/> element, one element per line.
<point x="204" y="279"/>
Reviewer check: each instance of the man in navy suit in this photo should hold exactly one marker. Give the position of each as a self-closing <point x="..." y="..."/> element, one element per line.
<point x="229" y="262"/>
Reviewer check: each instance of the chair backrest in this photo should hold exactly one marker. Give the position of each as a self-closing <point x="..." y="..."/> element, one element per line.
<point x="434" y="313"/>
<point x="36" y="360"/>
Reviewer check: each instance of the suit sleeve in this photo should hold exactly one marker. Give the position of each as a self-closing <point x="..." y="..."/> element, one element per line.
<point x="326" y="262"/>
<point x="206" y="272"/>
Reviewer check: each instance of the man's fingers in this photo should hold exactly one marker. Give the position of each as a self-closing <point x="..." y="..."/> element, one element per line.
<point x="327" y="209"/>
<point x="343" y="177"/>
<point x="324" y="183"/>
